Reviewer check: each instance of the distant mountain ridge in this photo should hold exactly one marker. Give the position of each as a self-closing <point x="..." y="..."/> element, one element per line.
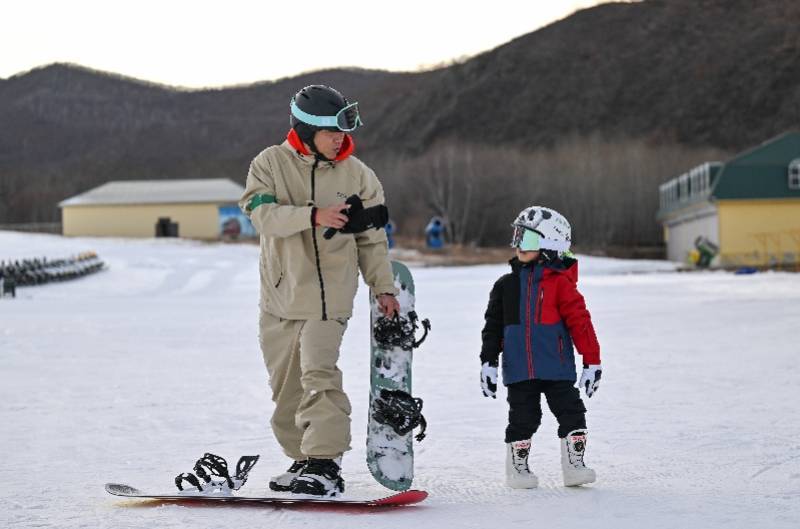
<point x="717" y="73"/>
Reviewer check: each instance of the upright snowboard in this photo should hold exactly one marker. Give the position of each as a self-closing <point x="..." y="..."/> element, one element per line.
<point x="393" y="412"/>
<point x="405" y="498"/>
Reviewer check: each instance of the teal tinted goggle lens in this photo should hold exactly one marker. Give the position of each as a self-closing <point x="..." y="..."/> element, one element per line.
<point x="525" y="239"/>
<point x="530" y="241"/>
<point x="346" y="120"/>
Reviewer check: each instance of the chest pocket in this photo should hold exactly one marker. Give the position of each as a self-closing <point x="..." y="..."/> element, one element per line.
<point x="274" y="269"/>
<point x="293" y="185"/>
<point x="333" y="186"/>
<point x="547" y="304"/>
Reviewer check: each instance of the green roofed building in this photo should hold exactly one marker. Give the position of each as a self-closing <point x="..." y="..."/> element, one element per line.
<point x="746" y="211"/>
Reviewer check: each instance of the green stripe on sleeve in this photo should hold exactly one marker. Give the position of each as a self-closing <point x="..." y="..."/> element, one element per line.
<point x="259" y="200"/>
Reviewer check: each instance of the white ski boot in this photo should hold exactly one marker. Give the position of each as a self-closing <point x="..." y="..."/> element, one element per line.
<point x="573" y="447"/>
<point x="518" y="475"/>
<point x="283" y="482"/>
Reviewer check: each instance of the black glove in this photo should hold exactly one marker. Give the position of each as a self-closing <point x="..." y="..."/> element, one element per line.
<point x="360" y="218"/>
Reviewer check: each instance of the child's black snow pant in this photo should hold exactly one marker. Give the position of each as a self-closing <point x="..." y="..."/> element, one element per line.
<point x="525" y="409"/>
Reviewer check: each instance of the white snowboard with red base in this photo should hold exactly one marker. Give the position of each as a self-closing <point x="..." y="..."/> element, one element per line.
<point x="408" y="497"/>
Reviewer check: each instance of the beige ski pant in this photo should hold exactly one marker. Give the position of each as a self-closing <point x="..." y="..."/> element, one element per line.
<point x="312" y="412"/>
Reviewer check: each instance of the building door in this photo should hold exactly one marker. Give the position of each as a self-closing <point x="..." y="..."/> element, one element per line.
<point x="166" y="228"/>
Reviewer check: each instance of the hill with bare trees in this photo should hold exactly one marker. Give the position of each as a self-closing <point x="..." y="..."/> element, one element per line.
<point x="587" y="115"/>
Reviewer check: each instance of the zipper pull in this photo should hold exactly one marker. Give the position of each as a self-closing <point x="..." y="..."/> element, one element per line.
<point x="541" y="303"/>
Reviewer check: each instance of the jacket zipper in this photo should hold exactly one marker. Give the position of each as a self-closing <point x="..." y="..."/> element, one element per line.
<point x="528" y="325"/>
<point x="316" y="247"/>
<point x="561" y="349"/>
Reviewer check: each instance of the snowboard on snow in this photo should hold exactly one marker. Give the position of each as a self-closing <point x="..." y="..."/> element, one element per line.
<point x="393" y="411"/>
<point x="212" y="481"/>
<point x="404" y="498"/>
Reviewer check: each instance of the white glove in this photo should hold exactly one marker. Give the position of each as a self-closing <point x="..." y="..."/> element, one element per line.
<point x="590" y="379"/>
<point x="489" y="380"/>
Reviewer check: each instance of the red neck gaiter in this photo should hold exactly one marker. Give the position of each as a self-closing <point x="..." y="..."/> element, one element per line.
<point x="348" y="146"/>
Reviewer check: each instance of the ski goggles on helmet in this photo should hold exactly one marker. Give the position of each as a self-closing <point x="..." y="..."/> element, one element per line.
<point x="347" y="119"/>
<point x="525" y="239"/>
<point x="529" y="240"/>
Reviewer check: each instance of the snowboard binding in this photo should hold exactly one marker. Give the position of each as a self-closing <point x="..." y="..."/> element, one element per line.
<point x="400" y="411"/>
<point x="400" y="332"/>
<point x="212" y="470"/>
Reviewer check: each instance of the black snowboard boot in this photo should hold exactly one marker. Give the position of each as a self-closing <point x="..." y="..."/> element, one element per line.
<point x="283" y="482"/>
<point x="320" y="477"/>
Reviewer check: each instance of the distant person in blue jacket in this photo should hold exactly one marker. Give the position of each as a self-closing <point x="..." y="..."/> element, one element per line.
<point x="390" y="233"/>
<point x="434" y="233"/>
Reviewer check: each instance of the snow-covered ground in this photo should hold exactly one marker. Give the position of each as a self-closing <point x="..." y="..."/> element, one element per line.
<point x="132" y="374"/>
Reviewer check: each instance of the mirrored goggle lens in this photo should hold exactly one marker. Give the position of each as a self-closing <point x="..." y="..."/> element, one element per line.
<point x="525" y="239"/>
<point x="530" y="241"/>
<point x="348" y="118"/>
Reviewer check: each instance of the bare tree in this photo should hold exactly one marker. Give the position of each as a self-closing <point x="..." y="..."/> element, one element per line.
<point x="607" y="188"/>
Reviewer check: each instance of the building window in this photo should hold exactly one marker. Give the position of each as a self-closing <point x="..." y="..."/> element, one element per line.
<point x="794" y="174"/>
<point x="683" y="187"/>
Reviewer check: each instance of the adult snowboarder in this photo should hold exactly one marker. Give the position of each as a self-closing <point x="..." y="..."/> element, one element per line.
<point x="314" y="205"/>
<point x="535" y="314"/>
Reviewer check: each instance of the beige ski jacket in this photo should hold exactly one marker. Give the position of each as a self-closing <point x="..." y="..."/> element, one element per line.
<point x="303" y="275"/>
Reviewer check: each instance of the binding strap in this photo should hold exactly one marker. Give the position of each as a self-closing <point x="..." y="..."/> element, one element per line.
<point x="400" y="411"/>
<point x="399" y="331"/>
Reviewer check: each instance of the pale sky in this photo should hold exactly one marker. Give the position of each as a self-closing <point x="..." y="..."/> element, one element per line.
<point x="199" y="43"/>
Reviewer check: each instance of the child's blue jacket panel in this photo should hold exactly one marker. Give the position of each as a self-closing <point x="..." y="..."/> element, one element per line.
<point x="533" y="314"/>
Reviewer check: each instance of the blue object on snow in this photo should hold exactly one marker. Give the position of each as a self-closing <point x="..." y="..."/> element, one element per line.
<point x="746" y="270"/>
<point x="389" y="233"/>
<point x="434" y="233"/>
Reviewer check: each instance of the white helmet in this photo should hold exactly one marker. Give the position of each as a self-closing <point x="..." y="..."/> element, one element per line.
<point x="553" y="230"/>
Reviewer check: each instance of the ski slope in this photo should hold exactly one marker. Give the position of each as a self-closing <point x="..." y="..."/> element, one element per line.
<point x="131" y="374"/>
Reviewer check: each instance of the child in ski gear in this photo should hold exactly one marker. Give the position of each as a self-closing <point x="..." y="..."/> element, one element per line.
<point x="296" y="192"/>
<point x="534" y="317"/>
